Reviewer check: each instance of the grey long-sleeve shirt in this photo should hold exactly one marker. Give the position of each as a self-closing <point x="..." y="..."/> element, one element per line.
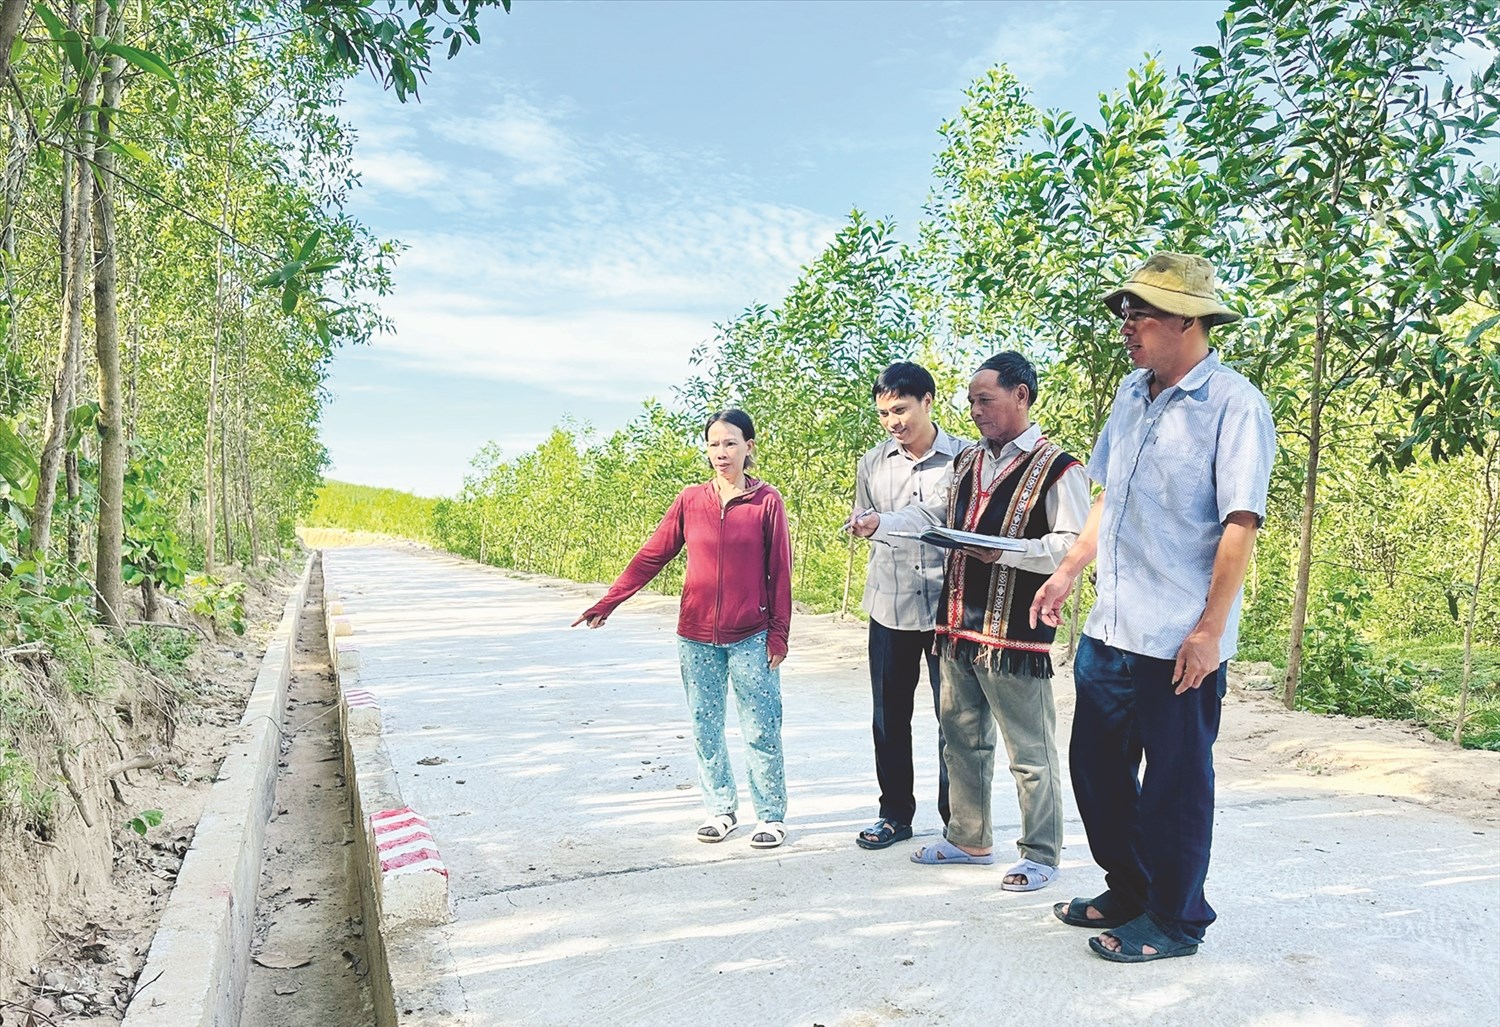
<point x="1067" y="504"/>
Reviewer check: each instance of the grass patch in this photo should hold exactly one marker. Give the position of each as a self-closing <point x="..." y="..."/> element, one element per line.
<point x="24" y="796"/>
<point x="363" y="508"/>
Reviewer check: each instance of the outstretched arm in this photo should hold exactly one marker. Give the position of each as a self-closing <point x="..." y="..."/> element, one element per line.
<point x="660" y="549"/>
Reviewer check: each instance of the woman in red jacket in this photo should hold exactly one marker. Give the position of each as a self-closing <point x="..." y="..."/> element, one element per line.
<point x="732" y="628"/>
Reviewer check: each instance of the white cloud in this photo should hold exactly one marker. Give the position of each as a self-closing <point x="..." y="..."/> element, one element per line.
<point x="541" y="151"/>
<point x="672" y="257"/>
<point x="595" y="354"/>
<point x="1041" y="43"/>
<point x="444" y="188"/>
<point x="399" y="171"/>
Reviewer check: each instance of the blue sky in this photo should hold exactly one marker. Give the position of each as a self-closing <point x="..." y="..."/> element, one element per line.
<point x="586" y="194"/>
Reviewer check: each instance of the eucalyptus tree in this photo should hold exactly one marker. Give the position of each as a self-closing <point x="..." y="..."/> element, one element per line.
<point x="1454" y="381"/>
<point x="72" y="130"/>
<point x="1331" y="130"/>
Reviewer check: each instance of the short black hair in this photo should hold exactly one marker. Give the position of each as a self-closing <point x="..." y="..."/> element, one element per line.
<point x="1013" y="369"/>
<point x="734" y="416"/>
<point x="904" y="378"/>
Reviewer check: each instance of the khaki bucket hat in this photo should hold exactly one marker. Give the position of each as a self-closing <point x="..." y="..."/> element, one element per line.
<point x="1178" y="283"/>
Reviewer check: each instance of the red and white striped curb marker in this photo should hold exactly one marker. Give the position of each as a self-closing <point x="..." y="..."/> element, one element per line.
<point x="347" y="663"/>
<point x="413" y="879"/>
<point x="362" y="711"/>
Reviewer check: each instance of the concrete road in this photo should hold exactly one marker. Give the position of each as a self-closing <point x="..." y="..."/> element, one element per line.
<point x="566" y="809"/>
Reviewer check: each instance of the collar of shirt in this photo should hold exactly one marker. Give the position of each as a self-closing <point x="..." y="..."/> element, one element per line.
<point x="1197" y="377"/>
<point x="943" y="443"/>
<point x="1022" y="443"/>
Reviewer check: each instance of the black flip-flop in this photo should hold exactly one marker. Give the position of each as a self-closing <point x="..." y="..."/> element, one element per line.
<point x="1112" y="912"/>
<point x="882" y="835"/>
<point x="1135" y="936"/>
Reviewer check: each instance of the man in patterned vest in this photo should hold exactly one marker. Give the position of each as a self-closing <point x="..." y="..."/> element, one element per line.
<point x="996" y="667"/>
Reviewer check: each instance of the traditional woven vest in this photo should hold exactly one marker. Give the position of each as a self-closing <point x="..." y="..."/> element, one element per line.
<point x="984" y="614"/>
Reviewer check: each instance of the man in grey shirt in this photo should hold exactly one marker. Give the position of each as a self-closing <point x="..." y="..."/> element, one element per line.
<point x="902" y="587"/>
<point x="996" y="668"/>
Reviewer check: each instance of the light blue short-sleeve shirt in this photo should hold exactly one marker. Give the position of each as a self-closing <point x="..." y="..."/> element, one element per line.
<point x="1173" y="470"/>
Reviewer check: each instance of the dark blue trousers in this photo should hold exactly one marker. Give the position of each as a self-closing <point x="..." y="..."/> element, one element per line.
<point x="1151" y="834"/>
<point x="895" y="667"/>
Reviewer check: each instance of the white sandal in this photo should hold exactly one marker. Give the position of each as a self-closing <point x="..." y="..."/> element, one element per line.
<point x="716" y="828"/>
<point x="1038" y="876"/>
<point x="773" y="831"/>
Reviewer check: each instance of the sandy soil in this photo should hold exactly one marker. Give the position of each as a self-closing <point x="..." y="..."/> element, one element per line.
<point x="76" y="959"/>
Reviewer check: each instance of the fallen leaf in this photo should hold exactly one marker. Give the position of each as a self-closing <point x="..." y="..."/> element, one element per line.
<point x="287" y="989"/>
<point x="431" y="761"/>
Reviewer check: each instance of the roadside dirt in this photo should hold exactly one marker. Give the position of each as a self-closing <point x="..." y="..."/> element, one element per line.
<point x="308" y="961"/>
<point x="1261" y="740"/>
<point x="73" y="942"/>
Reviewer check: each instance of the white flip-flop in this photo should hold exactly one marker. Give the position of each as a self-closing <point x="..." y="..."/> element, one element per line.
<point x="1038" y="876"/>
<point x="775" y="828"/>
<point x="716" y="828"/>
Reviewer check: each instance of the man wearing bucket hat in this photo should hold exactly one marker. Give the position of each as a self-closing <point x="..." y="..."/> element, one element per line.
<point x="1184" y="462"/>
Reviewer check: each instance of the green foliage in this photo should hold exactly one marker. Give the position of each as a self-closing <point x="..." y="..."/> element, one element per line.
<point x="144" y="821"/>
<point x="223" y="603"/>
<point x="24" y="796"/>
<point x="1342" y="673"/>
<point x="152" y="551"/>
<point x="1323" y="155"/>
<point x="370" y="34"/>
<point x="161" y="650"/>
<point x="363" y="508"/>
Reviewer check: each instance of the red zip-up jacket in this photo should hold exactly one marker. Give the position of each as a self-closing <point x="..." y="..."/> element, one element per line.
<point x="739" y="566"/>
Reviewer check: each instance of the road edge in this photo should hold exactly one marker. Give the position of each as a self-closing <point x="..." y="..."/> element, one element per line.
<point x="401" y="877"/>
<point x="199" y="958"/>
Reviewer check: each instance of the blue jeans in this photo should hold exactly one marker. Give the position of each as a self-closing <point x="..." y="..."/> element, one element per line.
<point x="1151" y="834"/>
<point x="707" y="672"/>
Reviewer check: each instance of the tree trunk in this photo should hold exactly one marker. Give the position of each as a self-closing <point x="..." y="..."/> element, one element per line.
<point x="1489" y="525"/>
<point x="73" y="490"/>
<point x="133" y="333"/>
<point x="1309" y="512"/>
<point x="224" y="493"/>
<point x="14" y="14"/>
<point x="17" y="157"/>
<point x="74" y="240"/>
<point x="148" y="598"/>
<point x="247" y="487"/>
<point x="213" y="373"/>
<point x="109" y="587"/>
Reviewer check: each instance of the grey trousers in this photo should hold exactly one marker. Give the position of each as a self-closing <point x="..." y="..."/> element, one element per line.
<point x="974" y="700"/>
